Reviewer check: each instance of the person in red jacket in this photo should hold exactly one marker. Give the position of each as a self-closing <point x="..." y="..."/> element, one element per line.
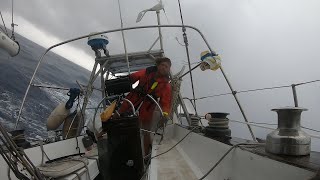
<point x="155" y="82"/>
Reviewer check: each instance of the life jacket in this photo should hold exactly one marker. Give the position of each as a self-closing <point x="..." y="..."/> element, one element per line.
<point x="141" y="88"/>
<point x="147" y="85"/>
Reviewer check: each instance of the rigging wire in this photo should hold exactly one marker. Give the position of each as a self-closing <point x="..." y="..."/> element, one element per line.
<point x="186" y="63"/>
<point x="144" y="174"/>
<point x="190" y="70"/>
<point x="216" y="164"/>
<point x="263" y="123"/>
<point x="12" y="24"/>
<point x="123" y="39"/>
<point x="19" y="155"/>
<point x="226" y="153"/>
<point x="264" y="127"/>
<point x="271" y="124"/>
<point x="216" y="95"/>
<point x="307" y="82"/>
<point x="175" y="37"/>
<point x="2" y="29"/>
<point x="11" y="12"/>
<point x="310" y="129"/>
<point x="258" y="89"/>
<point x="166" y="16"/>
<point x="185" y="38"/>
<point x="179" y="41"/>
<point x="4" y="24"/>
<point x="175" y="144"/>
<point x="261" y="89"/>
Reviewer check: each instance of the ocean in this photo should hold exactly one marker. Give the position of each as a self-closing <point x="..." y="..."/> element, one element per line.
<point x="15" y="74"/>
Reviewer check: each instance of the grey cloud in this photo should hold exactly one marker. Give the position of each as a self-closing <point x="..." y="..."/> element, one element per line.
<point x="67" y="19"/>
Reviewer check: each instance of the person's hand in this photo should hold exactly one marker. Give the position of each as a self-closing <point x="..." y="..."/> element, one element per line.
<point x="163" y="122"/>
<point x="100" y="134"/>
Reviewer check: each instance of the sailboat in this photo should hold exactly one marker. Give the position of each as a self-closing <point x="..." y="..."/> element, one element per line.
<point x="182" y="148"/>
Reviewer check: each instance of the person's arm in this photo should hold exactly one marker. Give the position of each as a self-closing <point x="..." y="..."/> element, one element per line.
<point x="134" y="77"/>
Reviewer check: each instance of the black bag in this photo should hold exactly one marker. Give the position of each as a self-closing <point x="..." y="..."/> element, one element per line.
<point x="124" y="159"/>
<point x="118" y="86"/>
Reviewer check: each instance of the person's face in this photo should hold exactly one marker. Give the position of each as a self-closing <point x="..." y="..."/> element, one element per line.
<point x="164" y="69"/>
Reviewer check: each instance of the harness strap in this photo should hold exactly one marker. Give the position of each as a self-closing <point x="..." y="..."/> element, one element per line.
<point x="154" y="85"/>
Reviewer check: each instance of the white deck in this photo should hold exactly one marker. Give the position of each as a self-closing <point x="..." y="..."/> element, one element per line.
<point x="196" y="154"/>
<point x="172" y="165"/>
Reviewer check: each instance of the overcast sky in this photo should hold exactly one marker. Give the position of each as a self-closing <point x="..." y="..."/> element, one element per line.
<point x="262" y="43"/>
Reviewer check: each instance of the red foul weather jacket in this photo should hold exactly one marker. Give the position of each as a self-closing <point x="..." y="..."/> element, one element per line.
<point x="158" y="88"/>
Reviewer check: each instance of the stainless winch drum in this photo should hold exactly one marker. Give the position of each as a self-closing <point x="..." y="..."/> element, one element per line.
<point x="288" y="139"/>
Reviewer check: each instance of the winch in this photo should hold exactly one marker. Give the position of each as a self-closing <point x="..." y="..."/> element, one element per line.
<point x="288" y="139"/>
<point x="218" y="125"/>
